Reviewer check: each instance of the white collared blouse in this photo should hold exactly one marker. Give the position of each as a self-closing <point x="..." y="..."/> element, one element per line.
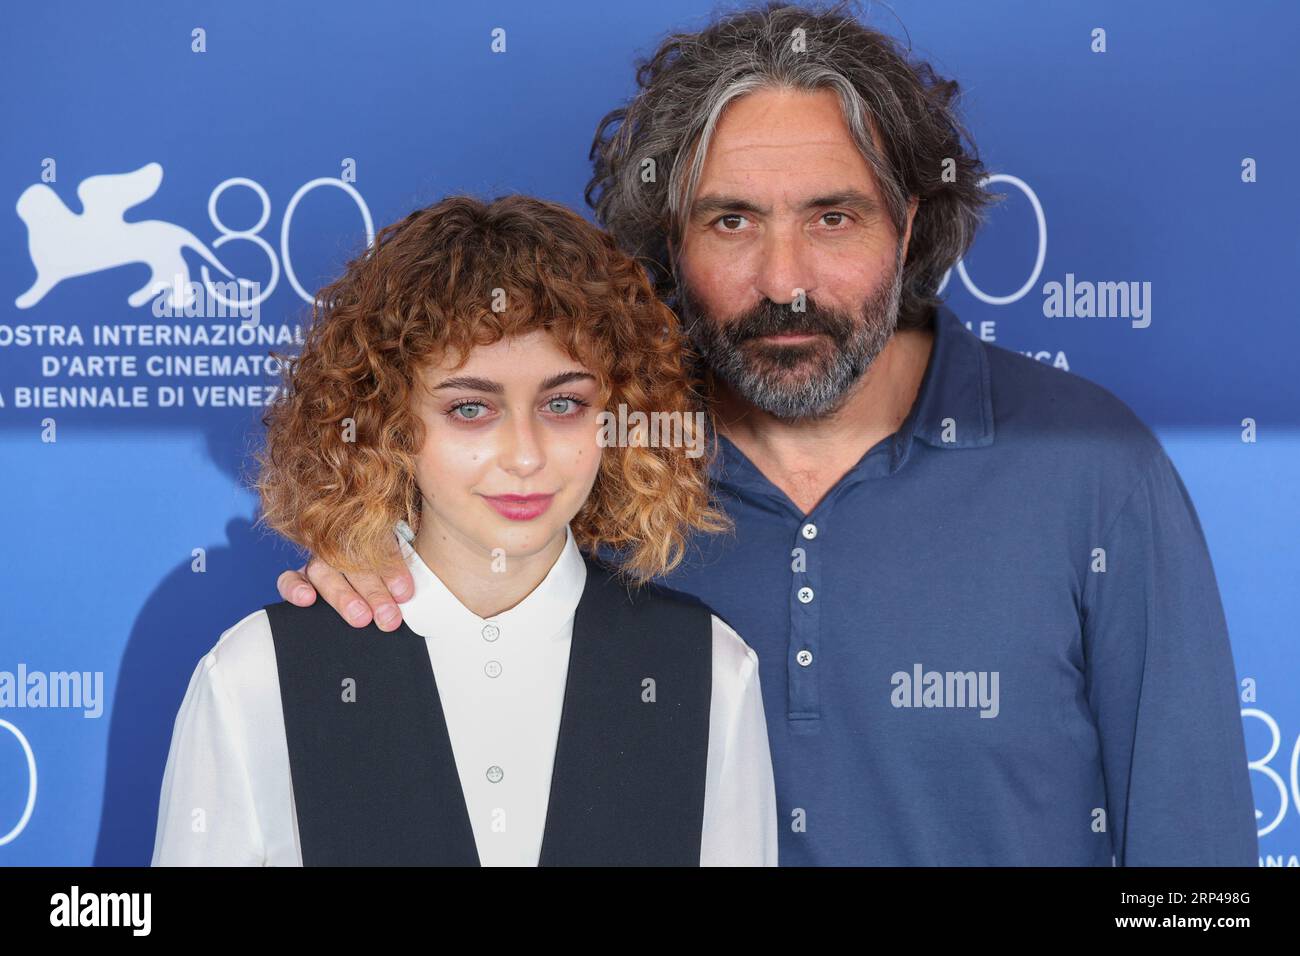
<point x="226" y="794"/>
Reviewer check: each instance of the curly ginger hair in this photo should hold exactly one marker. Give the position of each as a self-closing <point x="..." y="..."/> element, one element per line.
<point x="425" y="290"/>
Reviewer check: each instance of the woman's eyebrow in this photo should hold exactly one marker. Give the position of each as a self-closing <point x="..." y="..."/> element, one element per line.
<point x="473" y="383"/>
<point x="564" y="378"/>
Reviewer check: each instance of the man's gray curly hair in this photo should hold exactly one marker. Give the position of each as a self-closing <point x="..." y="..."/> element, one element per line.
<point x="648" y="154"/>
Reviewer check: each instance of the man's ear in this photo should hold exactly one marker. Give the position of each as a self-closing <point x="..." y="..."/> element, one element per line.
<point x="912" y="205"/>
<point x="673" y="263"/>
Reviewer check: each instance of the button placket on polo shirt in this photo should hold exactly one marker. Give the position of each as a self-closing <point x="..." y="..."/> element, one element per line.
<point x="803" y="653"/>
<point x="804" y="694"/>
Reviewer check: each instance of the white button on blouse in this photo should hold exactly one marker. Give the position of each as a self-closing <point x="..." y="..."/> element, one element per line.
<point x="226" y="794"/>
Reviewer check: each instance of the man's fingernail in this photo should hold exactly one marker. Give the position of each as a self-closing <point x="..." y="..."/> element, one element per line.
<point x="357" y="612"/>
<point x="386" y="615"/>
<point x="399" y="588"/>
<point x="302" y="595"/>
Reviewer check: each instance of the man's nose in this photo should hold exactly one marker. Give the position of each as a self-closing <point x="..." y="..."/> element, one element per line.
<point x="785" y="266"/>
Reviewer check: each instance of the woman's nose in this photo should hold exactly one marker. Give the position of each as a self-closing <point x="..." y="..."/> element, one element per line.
<point x="521" y="452"/>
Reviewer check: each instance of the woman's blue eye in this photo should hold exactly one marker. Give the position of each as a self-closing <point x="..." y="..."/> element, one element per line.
<point x="571" y="406"/>
<point x="564" y="407"/>
<point x="472" y="410"/>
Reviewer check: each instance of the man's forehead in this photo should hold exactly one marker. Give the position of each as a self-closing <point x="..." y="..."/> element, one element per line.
<point x="799" y="185"/>
<point x="778" y="143"/>
<point x="777" y="117"/>
<point x="795" y="161"/>
<point x="802" y="197"/>
<point x="783" y="146"/>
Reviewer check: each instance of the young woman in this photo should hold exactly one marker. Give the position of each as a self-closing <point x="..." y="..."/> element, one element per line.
<point x="535" y="706"/>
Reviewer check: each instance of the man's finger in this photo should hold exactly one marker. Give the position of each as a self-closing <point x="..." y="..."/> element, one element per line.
<point x="397" y="575"/>
<point x="338" y="594"/>
<point x="375" y="593"/>
<point x="295" y="588"/>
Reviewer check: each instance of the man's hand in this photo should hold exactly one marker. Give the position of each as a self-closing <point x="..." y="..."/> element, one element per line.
<point x="358" y="598"/>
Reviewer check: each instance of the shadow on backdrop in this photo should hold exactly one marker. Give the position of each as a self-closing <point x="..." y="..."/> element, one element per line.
<point x="170" y="635"/>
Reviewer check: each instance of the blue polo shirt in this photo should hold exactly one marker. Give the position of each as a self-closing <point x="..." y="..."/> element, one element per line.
<point x="997" y="640"/>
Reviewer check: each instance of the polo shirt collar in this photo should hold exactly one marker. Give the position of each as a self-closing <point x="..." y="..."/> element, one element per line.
<point x="436" y="613"/>
<point x="955" y="386"/>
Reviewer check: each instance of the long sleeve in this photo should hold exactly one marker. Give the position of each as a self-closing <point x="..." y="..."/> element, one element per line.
<point x="206" y="814"/>
<point x="1162" y="687"/>
<point x="740" y="794"/>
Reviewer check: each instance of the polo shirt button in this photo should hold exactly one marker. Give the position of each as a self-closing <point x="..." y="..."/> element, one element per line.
<point x="809" y="531"/>
<point x="491" y="632"/>
<point x="805" y="595"/>
<point x="492" y="668"/>
<point x="804" y="657"/>
<point x="495" y="773"/>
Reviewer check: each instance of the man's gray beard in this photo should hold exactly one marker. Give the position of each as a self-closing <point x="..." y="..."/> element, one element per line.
<point x="829" y="373"/>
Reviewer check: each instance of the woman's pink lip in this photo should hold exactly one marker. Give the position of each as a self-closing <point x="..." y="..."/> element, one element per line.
<point x="519" y="507"/>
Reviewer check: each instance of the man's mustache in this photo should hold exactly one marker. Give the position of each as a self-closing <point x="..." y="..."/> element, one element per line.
<point x="770" y="318"/>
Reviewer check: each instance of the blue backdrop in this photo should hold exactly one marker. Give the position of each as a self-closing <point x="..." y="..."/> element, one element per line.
<point x="128" y="541"/>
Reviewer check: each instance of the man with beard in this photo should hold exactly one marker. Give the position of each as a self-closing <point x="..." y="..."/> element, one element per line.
<point x="988" y="626"/>
<point x="832" y="349"/>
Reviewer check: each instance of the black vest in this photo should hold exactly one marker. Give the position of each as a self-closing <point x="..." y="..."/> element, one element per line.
<point x="375" y="780"/>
